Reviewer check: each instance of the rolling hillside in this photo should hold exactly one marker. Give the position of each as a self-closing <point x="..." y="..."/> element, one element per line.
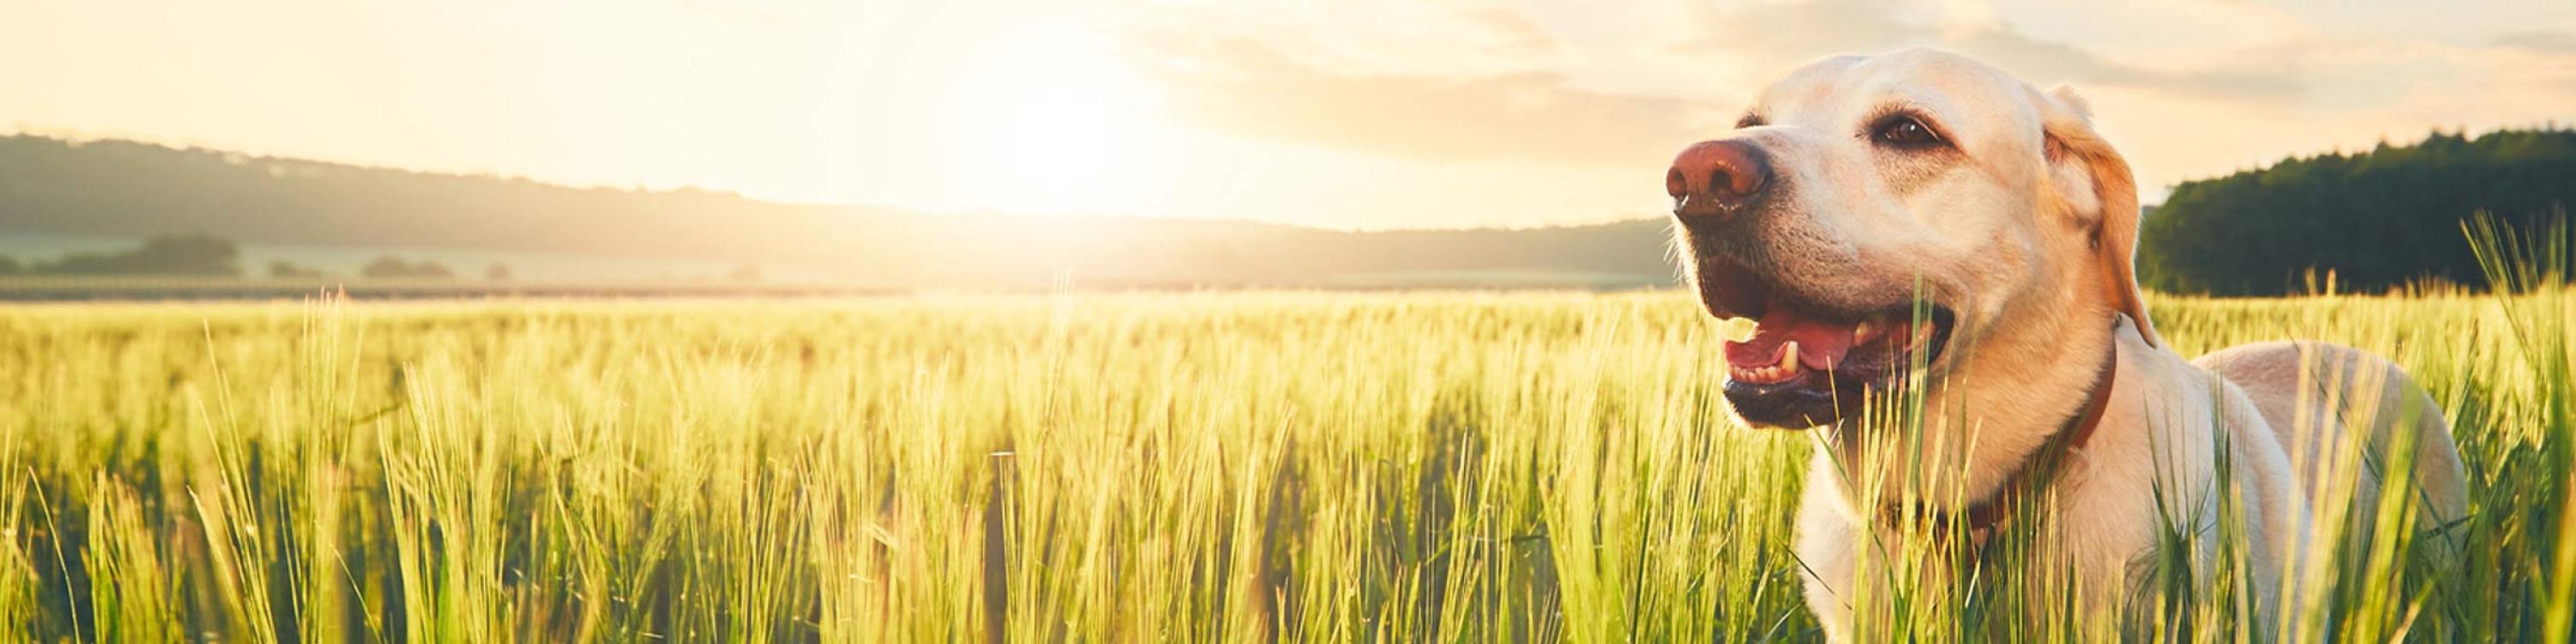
<point x="125" y="189"/>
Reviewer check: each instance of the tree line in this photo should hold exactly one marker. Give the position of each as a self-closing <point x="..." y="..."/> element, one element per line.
<point x="210" y="256"/>
<point x="2374" y="219"/>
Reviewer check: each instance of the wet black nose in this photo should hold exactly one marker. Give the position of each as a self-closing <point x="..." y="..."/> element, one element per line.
<point x="1717" y="179"/>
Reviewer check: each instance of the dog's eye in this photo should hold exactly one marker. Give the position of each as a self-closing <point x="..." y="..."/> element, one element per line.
<point x="1905" y="131"/>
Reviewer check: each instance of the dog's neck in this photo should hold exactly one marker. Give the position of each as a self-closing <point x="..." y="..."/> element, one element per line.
<point x="2035" y="471"/>
<point x="1980" y="448"/>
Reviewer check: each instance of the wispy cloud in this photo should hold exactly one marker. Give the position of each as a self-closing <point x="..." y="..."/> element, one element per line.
<point x="1245" y="86"/>
<point x="2555" y="42"/>
<point x="1776" y="36"/>
<point x="1494" y="83"/>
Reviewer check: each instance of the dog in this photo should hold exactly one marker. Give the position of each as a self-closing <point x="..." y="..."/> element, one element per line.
<point x="1922" y="217"/>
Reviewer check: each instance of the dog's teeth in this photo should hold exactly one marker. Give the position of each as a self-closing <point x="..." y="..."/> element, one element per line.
<point x="1770" y="374"/>
<point x="1867" y="330"/>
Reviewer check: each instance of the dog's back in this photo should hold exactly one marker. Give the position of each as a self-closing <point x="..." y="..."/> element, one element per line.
<point x="2312" y="393"/>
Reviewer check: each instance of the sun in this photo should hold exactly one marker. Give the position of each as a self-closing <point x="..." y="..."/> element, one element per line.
<point x="1048" y="123"/>
<point x="1064" y="142"/>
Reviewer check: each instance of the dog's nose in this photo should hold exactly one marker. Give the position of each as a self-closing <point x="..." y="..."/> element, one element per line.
<point x="1716" y="178"/>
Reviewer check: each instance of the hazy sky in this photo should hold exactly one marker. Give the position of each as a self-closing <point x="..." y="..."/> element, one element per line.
<point x="1344" y="113"/>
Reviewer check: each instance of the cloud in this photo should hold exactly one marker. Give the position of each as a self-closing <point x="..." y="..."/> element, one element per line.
<point x="2546" y="42"/>
<point x="1777" y="36"/>
<point x="1515" y="33"/>
<point x="1556" y="92"/>
<point x="1244" y="86"/>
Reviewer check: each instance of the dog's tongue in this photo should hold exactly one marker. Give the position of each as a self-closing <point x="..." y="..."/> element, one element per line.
<point x="1821" y="344"/>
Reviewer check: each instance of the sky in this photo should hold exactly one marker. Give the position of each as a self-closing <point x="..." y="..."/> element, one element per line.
<point x="1366" y="114"/>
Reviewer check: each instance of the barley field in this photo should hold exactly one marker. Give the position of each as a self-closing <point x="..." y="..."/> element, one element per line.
<point x="1456" y="467"/>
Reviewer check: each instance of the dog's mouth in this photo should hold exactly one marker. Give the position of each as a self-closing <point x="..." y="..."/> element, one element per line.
<point x="1811" y="364"/>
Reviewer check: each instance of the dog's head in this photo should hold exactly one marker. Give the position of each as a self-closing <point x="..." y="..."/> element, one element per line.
<point x="1858" y="187"/>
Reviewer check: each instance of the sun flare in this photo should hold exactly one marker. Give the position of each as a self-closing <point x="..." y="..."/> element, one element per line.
<point x="1063" y="142"/>
<point x="1051" y="123"/>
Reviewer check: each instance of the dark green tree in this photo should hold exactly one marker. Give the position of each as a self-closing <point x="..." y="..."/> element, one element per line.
<point x="391" y="267"/>
<point x="198" y="255"/>
<point x="2375" y="219"/>
<point x="283" y="269"/>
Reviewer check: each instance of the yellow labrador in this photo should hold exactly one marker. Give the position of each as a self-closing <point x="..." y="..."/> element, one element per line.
<point x="1856" y="183"/>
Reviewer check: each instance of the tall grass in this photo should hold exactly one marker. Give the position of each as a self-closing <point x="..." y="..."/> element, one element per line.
<point x="1279" y="466"/>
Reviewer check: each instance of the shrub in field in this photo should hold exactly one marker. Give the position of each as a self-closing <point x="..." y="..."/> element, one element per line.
<point x="161" y="255"/>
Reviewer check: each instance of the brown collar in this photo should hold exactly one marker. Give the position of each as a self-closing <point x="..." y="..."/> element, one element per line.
<point x="2042" y="462"/>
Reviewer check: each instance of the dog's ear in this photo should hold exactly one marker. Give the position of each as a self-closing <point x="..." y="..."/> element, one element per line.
<point x="2092" y="183"/>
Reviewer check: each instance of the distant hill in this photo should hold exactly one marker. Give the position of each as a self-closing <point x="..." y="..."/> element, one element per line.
<point x="2377" y="218"/>
<point x="128" y="189"/>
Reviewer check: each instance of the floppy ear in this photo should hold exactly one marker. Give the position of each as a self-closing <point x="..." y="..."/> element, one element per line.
<point x="2092" y="182"/>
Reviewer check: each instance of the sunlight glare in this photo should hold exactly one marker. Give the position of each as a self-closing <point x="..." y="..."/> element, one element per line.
<point x="1063" y="140"/>
<point x="1049" y="122"/>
